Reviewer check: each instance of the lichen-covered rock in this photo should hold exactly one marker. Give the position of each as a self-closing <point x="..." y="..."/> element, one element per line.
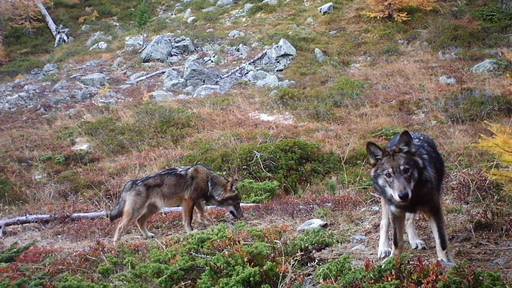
<point x="94" y="80"/>
<point x="165" y="46"/>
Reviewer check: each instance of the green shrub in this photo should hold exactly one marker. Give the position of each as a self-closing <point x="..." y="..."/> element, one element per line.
<point x="475" y="105"/>
<point x="143" y="14"/>
<point x="341" y="272"/>
<point x="292" y="163"/>
<point x="310" y="241"/>
<point x="258" y="192"/>
<point x="386" y="133"/>
<point x="10" y="254"/>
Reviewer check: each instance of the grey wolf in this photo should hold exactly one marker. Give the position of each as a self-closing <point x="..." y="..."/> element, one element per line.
<point x="189" y="187"/>
<point x="408" y="174"/>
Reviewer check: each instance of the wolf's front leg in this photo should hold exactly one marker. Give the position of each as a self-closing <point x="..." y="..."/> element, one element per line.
<point x="203" y="218"/>
<point x="384" y="250"/>
<point x="398" y="221"/>
<point x="414" y="240"/>
<point x="188" y="212"/>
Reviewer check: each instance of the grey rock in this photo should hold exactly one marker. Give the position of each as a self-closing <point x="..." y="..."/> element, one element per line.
<point x="280" y="55"/>
<point x="197" y="75"/>
<point x="310" y="21"/>
<point x="98" y="37"/>
<point x="86" y="94"/>
<point x="360" y="247"/>
<point x="85" y="28"/>
<point x="118" y="63"/>
<point x="247" y="8"/>
<point x="326" y="9"/>
<point x="191" y="20"/>
<point x="286" y="84"/>
<point x="134" y="43"/>
<point x="164" y="46"/>
<point x="99" y="46"/>
<point x="274" y="93"/>
<point x="173" y="80"/>
<point x="50" y="68"/>
<point x="270" y="2"/>
<point x="487" y="66"/>
<point x="263" y="79"/>
<point x="359" y="239"/>
<point x="162" y="96"/>
<point x="189" y="89"/>
<point x="187" y="14"/>
<point x="225" y="3"/>
<point x="173" y="59"/>
<point x="320" y="56"/>
<point x="240" y="51"/>
<point x="236" y="34"/>
<point x="212" y="9"/>
<point x="94" y="80"/>
<point x="313" y="224"/>
<point x="206" y="90"/>
<point x="447" y="80"/>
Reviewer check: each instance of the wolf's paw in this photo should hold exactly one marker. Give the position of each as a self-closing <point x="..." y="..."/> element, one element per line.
<point x="418" y="244"/>
<point x="448" y="264"/>
<point x="384" y="253"/>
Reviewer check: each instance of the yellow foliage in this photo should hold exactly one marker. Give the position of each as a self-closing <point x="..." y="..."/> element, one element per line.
<point x="393" y="9"/>
<point x="500" y="145"/>
<point x="89" y="18"/>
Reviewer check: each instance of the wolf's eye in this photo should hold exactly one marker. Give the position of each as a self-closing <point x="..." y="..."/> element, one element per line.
<point x="388" y="175"/>
<point x="406" y="170"/>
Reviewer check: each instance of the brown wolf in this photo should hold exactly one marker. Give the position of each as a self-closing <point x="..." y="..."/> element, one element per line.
<point x="408" y="175"/>
<point x="189" y="187"/>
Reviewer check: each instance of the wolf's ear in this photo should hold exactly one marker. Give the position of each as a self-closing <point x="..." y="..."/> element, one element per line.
<point x="375" y="153"/>
<point x="405" y="142"/>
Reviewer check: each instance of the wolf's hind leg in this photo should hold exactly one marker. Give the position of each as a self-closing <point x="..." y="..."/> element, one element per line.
<point x="384" y="250"/>
<point x="188" y="212"/>
<point x="144" y="217"/>
<point x="125" y="220"/>
<point x="414" y="240"/>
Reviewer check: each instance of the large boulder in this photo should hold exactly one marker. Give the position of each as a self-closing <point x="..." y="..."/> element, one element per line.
<point x="281" y="55"/>
<point x="165" y="46"/>
<point x="262" y="79"/>
<point x="94" y="80"/>
<point x="173" y="81"/>
<point x="197" y="75"/>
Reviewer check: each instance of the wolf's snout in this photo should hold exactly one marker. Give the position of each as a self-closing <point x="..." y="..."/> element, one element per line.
<point x="404" y="196"/>
<point x="236" y="213"/>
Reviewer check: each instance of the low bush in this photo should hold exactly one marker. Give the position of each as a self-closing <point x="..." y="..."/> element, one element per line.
<point x="258" y="192"/>
<point x="292" y="163"/>
<point x="150" y="126"/>
<point x="475" y="105"/>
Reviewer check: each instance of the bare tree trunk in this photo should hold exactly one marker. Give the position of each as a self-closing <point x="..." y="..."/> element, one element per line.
<point x="45" y="218"/>
<point x="47" y="18"/>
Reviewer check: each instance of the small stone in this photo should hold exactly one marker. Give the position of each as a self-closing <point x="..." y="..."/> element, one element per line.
<point x="247" y="8"/>
<point x="50" y="68"/>
<point x="320" y="56"/>
<point x="99" y="46"/>
<point x="134" y="43"/>
<point x="187" y="14"/>
<point x="313" y="224"/>
<point x="447" y="80"/>
<point x="270" y="2"/>
<point x="326" y="9"/>
<point x="212" y="9"/>
<point x="191" y="20"/>
<point x="236" y="34"/>
<point x="82" y="145"/>
<point x="310" y="21"/>
<point x="98" y="37"/>
<point x="225" y="3"/>
<point x="449" y="53"/>
<point x="263" y="79"/>
<point x="360" y="247"/>
<point x="359" y="239"/>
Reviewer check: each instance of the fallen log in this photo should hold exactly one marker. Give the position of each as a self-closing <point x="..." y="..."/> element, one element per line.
<point x="134" y="81"/>
<point x="46" y="218"/>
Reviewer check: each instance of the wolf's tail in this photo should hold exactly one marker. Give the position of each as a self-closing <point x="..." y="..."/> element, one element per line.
<point x="117" y="212"/>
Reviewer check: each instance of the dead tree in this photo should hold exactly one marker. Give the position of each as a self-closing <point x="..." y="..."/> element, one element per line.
<point x="60" y="33"/>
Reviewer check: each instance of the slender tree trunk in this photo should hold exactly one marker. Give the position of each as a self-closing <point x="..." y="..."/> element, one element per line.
<point x="47" y="18"/>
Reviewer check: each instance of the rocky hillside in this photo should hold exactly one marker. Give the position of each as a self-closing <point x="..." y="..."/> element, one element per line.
<point x="283" y="93"/>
